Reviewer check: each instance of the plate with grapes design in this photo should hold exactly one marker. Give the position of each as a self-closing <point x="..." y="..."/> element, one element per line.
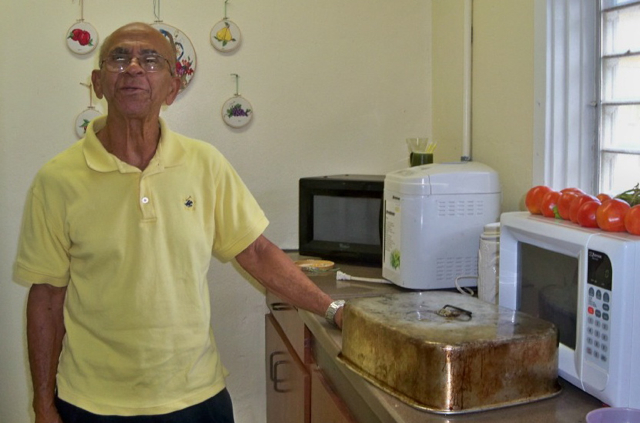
<point x="237" y="112"/>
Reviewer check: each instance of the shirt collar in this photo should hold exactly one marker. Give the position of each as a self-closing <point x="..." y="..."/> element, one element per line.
<point x="170" y="151"/>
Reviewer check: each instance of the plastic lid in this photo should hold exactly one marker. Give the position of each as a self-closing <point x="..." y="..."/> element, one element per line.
<point x="444" y="178"/>
<point x="492" y="228"/>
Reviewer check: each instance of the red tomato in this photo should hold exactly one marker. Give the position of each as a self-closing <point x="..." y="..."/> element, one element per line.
<point x="610" y="215"/>
<point x="577" y="202"/>
<point x="576" y="190"/>
<point x="587" y="214"/>
<point x="603" y="197"/>
<point x="632" y="220"/>
<point x="84" y="38"/>
<point x="549" y="204"/>
<point x="564" y="203"/>
<point x="75" y="34"/>
<point x="533" y="200"/>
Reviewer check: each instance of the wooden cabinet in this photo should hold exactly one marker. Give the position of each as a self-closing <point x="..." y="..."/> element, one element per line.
<point x="287" y="379"/>
<point x="326" y="405"/>
<point x="297" y="391"/>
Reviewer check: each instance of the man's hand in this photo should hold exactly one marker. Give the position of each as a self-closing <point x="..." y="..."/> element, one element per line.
<point x="45" y="330"/>
<point x="50" y="416"/>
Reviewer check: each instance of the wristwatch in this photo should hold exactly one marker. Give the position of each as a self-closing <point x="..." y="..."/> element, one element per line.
<point x="330" y="314"/>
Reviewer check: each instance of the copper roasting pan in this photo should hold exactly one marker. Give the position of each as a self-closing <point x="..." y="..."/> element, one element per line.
<point x="450" y="353"/>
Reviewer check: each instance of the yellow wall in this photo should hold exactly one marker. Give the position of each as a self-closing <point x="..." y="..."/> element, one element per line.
<point x="448" y="78"/>
<point x="502" y="88"/>
<point x="503" y="93"/>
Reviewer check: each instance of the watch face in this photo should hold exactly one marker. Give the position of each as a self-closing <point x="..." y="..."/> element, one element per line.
<point x="332" y="310"/>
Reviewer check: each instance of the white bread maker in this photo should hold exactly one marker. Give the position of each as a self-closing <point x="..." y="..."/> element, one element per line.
<point x="433" y="218"/>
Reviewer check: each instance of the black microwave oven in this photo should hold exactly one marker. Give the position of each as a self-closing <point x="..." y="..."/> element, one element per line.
<point x="341" y="218"/>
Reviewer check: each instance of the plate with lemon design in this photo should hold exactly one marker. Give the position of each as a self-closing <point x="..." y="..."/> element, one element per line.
<point x="225" y="36"/>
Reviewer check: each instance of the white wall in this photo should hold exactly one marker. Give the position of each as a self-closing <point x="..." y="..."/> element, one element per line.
<point x="336" y="88"/>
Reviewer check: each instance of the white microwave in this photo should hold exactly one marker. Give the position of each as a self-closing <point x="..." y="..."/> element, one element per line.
<point x="586" y="282"/>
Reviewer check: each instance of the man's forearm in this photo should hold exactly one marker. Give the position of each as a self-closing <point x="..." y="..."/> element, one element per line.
<point x="45" y="330"/>
<point x="276" y="271"/>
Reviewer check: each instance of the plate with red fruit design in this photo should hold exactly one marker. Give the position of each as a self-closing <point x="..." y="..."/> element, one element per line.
<point x="185" y="66"/>
<point x="82" y="38"/>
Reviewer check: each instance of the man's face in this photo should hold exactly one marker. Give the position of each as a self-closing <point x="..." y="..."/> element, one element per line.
<point x="136" y="93"/>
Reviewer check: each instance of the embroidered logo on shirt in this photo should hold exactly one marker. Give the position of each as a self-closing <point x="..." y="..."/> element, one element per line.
<point x="189" y="203"/>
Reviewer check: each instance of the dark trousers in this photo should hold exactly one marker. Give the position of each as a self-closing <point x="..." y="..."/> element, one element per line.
<point x="217" y="409"/>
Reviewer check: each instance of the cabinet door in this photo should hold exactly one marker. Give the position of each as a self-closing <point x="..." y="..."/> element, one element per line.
<point x="294" y="329"/>
<point x="326" y="405"/>
<point x="288" y="384"/>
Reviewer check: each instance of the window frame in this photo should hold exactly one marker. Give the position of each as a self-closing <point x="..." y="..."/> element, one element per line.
<point x="566" y="93"/>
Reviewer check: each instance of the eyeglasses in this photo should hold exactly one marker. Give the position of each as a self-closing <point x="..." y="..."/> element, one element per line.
<point x="150" y="62"/>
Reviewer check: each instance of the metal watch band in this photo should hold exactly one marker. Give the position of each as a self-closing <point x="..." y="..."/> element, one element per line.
<point x="330" y="314"/>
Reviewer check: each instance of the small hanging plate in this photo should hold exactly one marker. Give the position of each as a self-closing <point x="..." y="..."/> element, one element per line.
<point x="237" y="112"/>
<point x="225" y="36"/>
<point x="83" y="119"/>
<point x="185" y="52"/>
<point x="82" y="38"/>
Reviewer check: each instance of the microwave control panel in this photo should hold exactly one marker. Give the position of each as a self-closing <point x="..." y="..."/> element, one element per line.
<point x="598" y="309"/>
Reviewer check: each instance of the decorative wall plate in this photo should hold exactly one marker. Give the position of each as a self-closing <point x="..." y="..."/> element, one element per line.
<point x="237" y="112"/>
<point x="83" y="119"/>
<point x="185" y="52"/>
<point x="82" y="38"/>
<point x="225" y="36"/>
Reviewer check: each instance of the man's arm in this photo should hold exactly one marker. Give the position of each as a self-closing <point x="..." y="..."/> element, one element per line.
<point x="270" y="266"/>
<point x="45" y="330"/>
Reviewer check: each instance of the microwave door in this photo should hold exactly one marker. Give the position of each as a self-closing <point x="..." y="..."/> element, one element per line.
<point x="570" y="359"/>
<point x="550" y="288"/>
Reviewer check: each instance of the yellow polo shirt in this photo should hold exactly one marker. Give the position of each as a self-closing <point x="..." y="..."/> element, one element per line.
<point x="133" y="249"/>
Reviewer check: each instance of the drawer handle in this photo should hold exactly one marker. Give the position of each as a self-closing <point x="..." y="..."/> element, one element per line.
<point x="281" y="306"/>
<point x="276" y="380"/>
<point x="271" y="365"/>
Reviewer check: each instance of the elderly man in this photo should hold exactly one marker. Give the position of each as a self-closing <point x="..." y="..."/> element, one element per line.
<point x="117" y="237"/>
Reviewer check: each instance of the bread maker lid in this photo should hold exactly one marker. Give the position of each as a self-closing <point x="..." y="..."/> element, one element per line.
<point x="444" y="179"/>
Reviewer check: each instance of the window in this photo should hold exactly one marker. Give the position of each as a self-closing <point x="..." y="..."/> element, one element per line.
<point x="619" y="131"/>
<point x="565" y="93"/>
<point x="587" y="92"/>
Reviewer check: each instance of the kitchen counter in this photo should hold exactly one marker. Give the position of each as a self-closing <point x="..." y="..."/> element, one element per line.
<point x="370" y="404"/>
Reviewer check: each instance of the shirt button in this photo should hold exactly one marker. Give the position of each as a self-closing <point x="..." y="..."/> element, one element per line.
<point x="145" y="200"/>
